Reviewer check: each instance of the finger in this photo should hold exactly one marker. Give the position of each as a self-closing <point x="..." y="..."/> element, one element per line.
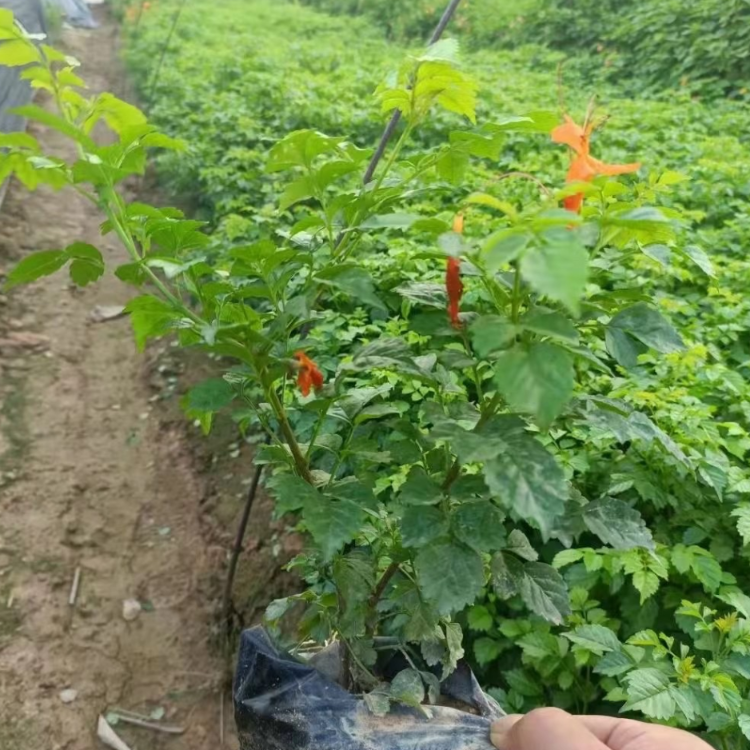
<point x="542" y="729"/>
<point x="626" y="734"/>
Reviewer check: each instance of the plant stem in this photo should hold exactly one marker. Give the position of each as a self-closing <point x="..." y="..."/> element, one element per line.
<point x="302" y="468"/>
<point x="516" y="300"/>
<point x="382" y="584"/>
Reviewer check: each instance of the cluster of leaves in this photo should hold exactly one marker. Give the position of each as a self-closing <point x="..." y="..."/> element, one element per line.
<point x="660" y="43"/>
<point x="534" y="446"/>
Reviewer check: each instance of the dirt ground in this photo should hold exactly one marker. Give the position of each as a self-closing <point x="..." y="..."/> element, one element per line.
<point x="97" y="475"/>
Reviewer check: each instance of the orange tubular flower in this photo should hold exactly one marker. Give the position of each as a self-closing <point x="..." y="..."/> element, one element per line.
<point x="458" y="223"/>
<point x="455" y="288"/>
<point x="584" y="167"/>
<point x="309" y="375"/>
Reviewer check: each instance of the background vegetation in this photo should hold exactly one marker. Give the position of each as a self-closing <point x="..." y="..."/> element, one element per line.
<point x="662" y="632"/>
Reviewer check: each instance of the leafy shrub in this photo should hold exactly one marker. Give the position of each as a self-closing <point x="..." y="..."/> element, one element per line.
<point x="634" y="500"/>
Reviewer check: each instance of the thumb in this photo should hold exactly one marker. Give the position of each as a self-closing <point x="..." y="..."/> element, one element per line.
<point x="543" y="729"/>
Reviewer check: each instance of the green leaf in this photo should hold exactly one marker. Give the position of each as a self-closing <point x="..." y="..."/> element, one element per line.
<point x="519" y="471"/>
<point x="450" y="575"/>
<point x="490" y="333"/>
<point x="378" y="704"/>
<point x="420" y="525"/>
<point x="648" y="326"/>
<point x="519" y="680"/>
<point x="648" y="692"/>
<point x="624" y="349"/>
<point x="407" y="687"/>
<point x="452" y="165"/>
<point x="424" y="293"/>
<point x="354" y="281"/>
<point x="552" y="324"/>
<point x="614" y="664"/>
<point x="502" y="247"/>
<point x="537" y="380"/>
<point x="544" y="592"/>
<point x="35" y="266"/>
<point x="87" y="265"/>
<point x="742" y="514"/>
<point x="210" y="395"/>
<point x="707" y="570"/>
<point x="743" y="721"/>
<point x="660" y="253"/>
<point x="391" y="221"/>
<point x="419" y="489"/>
<point x="299" y="190"/>
<point x="291" y="493"/>
<point x="618" y="524"/>
<point x="331" y="522"/>
<point x="479" y="618"/>
<point x="558" y="268"/>
<point x="150" y="317"/>
<point x="567" y="557"/>
<point x="699" y="257"/>
<point x="486" y="650"/>
<point x="507" y="572"/>
<point x="595" y="638"/>
<point x="39" y="114"/>
<point x="479" y="525"/>
<point x="18" y="52"/>
<point x="646" y="583"/>
<point x="519" y="544"/>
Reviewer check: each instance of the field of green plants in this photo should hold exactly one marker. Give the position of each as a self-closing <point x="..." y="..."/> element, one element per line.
<point x="549" y="476"/>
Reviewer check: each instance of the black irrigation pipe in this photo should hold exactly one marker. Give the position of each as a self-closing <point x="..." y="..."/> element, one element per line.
<point x="391" y="127"/>
<point x="226" y="602"/>
<point x="172" y="29"/>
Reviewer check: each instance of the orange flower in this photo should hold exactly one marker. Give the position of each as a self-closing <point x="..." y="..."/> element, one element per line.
<point x="584" y="167"/>
<point x="309" y="375"/>
<point x="458" y="223"/>
<point x="455" y="288"/>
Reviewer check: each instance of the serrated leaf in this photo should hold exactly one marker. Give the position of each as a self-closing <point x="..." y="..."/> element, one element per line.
<point x="87" y="263"/>
<point x="519" y="544"/>
<point x="699" y="257"/>
<point x="544" y="592"/>
<point x="536" y="380"/>
<point x="479" y="525"/>
<point x="354" y="281"/>
<point x="742" y="514"/>
<point x="567" y="557"/>
<point x="648" y="692"/>
<point x="519" y="471"/>
<point x="150" y="317"/>
<point x="550" y="324"/>
<point x="35" y="266"/>
<point x="558" y="268"/>
<point x="420" y="525"/>
<point x="646" y="583"/>
<point x="419" y="489"/>
<point x="503" y="247"/>
<point x="595" y="638"/>
<point x="17" y="52"/>
<point x="648" y="326"/>
<point x="290" y="492"/>
<point x="520" y="681"/>
<point x="450" y="575"/>
<point x="486" y="650"/>
<point x="743" y="721"/>
<point x="507" y="572"/>
<point x="331" y="522"/>
<point x="614" y="664"/>
<point x="210" y="395"/>
<point x="618" y="524"/>
<point x="479" y="618"/>
<point x="490" y="333"/>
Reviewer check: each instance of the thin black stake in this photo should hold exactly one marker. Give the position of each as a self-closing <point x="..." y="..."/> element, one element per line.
<point x="390" y="129"/>
<point x="239" y="539"/>
<point x="172" y="29"/>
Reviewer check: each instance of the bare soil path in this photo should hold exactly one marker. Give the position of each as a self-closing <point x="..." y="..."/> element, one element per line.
<point x="90" y="480"/>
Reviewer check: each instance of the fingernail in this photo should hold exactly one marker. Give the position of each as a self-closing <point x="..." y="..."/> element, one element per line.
<point x="501" y="729"/>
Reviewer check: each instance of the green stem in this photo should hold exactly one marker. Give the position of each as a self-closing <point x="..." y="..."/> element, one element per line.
<point x="316" y="432"/>
<point x="286" y="429"/>
<point x="516" y="300"/>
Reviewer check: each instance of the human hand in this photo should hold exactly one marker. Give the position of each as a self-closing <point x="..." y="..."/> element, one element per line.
<point x="553" y="729"/>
